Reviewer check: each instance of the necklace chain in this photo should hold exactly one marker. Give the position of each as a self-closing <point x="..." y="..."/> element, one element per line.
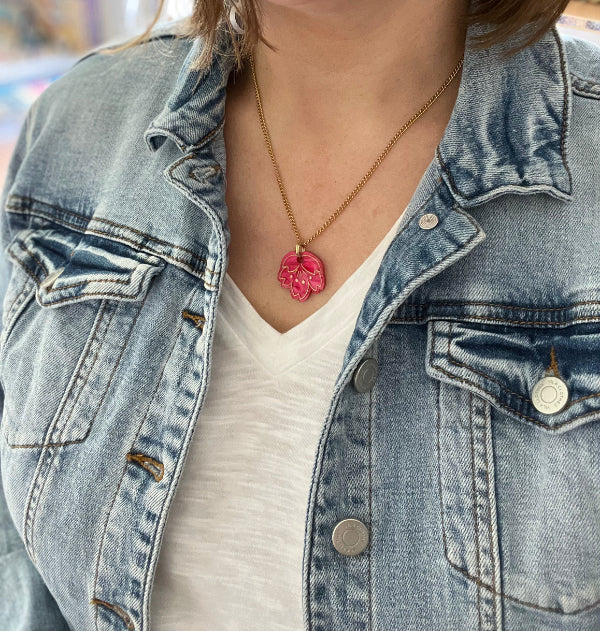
<point x="302" y="244"/>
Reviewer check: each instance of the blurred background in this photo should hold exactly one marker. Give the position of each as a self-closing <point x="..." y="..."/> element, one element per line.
<point x="41" y="39"/>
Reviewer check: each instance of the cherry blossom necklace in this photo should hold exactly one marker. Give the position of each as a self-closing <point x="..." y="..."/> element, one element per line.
<point x="301" y="271"/>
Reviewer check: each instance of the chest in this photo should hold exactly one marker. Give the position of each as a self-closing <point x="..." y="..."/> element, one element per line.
<point x="106" y="366"/>
<point x="262" y="233"/>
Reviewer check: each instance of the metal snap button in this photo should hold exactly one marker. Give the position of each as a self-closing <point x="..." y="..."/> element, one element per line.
<point x="550" y="395"/>
<point x="49" y="280"/>
<point x="365" y="375"/>
<point x="428" y="221"/>
<point x="350" y="537"/>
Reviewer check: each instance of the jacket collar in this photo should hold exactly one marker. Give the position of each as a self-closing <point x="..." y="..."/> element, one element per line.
<point x="507" y="132"/>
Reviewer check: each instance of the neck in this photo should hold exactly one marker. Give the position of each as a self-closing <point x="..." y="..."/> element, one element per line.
<point x="356" y="62"/>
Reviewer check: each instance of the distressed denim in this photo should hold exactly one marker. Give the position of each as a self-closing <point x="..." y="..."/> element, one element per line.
<point x="483" y="512"/>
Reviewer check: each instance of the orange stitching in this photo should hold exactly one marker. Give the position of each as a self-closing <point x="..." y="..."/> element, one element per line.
<point x="21" y="264"/>
<point x="485" y="375"/>
<point x="204" y="140"/>
<point x="104" y="294"/>
<point x="476" y="580"/>
<point x="563" y="66"/>
<point x="32" y="255"/>
<point x="33" y="504"/>
<point x="489" y="506"/>
<point x="70" y="298"/>
<point x="158" y="382"/>
<point x="179" y="162"/>
<point x="156" y="468"/>
<point x="87" y="282"/>
<point x="475" y="507"/>
<point x="92" y="231"/>
<point x="88" y="230"/>
<point x="554" y="364"/>
<point x="497" y="304"/>
<point x="120" y="612"/>
<point x="518" y="600"/>
<point x="198" y="319"/>
<point x="183" y="145"/>
<point x="506" y="407"/>
<point x="98" y="219"/>
<point x="212" y="170"/>
<point x="467" y="318"/>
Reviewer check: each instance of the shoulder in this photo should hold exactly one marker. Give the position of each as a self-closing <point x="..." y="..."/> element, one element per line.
<point x="583" y="61"/>
<point x="114" y="87"/>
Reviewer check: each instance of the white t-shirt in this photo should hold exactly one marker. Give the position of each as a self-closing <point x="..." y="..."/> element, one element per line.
<point x="231" y="554"/>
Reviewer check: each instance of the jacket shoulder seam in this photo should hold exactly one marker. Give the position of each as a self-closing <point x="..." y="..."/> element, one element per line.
<point x="107" y="47"/>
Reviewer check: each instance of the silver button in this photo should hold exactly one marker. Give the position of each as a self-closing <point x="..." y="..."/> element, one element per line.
<point x="47" y="282"/>
<point x="550" y="395"/>
<point x="365" y="375"/>
<point x="428" y="221"/>
<point x="350" y="537"/>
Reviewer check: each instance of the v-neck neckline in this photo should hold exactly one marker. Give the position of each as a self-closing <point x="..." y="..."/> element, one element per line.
<point x="278" y="352"/>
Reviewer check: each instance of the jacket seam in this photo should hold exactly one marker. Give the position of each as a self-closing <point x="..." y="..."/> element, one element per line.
<point x="124" y="470"/>
<point x="87" y="230"/>
<point x="102" y="294"/>
<point x="497" y="304"/>
<point x="495" y="398"/>
<point x="490" y="588"/>
<point x="475" y="511"/>
<point x="467" y="318"/>
<point x="565" y="121"/>
<point x="15" y="207"/>
<point x="460" y="364"/>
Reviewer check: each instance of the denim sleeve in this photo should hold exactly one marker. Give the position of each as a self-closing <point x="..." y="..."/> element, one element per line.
<point x="25" y="602"/>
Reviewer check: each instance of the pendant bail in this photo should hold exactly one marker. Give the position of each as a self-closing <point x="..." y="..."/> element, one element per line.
<point x="299" y="250"/>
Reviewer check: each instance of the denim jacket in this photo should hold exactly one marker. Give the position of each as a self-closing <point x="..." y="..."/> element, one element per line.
<point x="471" y="455"/>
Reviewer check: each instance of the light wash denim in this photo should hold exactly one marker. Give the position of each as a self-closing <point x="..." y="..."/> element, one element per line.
<point x="483" y="512"/>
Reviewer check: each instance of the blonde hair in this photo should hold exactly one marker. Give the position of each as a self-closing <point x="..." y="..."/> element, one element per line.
<point x="506" y="17"/>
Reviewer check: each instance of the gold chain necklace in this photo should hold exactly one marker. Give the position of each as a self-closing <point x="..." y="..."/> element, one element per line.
<point x="302" y="272"/>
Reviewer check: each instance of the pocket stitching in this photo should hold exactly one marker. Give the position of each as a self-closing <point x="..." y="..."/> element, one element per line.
<point x="465" y="573"/>
<point x="493" y="396"/>
<point x="11" y="313"/>
<point x="33" y="275"/>
<point x="67" y="395"/>
<point x="34" y="257"/>
<point x="475" y="511"/>
<point x="52" y="453"/>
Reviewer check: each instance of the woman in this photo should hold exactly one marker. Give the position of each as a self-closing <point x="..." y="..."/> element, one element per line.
<point x="377" y="242"/>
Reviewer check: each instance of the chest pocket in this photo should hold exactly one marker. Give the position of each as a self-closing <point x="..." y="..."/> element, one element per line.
<point x="69" y="309"/>
<point x="519" y="459"/>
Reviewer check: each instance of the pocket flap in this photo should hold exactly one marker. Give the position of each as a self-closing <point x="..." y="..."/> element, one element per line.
<point x="503" y="364"/>
<point x="71" y="267"/>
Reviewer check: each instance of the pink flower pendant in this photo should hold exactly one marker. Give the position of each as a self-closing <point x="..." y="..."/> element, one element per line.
<point x="302" y="274"/>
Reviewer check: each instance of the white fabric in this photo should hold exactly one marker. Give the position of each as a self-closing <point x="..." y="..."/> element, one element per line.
<point x="231" y="556"/>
